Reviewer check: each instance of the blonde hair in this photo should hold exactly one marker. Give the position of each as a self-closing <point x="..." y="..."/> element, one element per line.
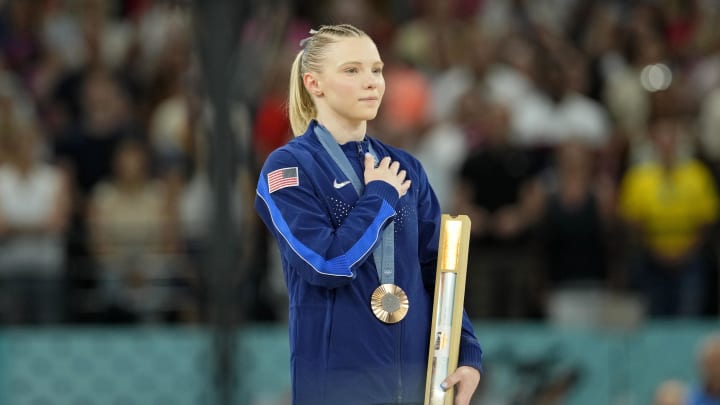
<point x="301" y="107"/>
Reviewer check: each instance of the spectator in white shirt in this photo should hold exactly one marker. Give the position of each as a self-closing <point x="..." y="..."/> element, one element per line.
<point x="34" y="208"/>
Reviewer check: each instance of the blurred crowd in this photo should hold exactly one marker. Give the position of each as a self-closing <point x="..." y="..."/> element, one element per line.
<point x="578" y="135"/>
<point x="101" y="185"/>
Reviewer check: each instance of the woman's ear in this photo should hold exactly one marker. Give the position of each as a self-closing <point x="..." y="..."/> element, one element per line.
<point x="312" y="84"/>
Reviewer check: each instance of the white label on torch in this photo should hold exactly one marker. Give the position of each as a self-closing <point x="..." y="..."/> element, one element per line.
<point x="443" y="328"/>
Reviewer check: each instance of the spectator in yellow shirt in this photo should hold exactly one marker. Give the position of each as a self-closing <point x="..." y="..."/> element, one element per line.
<point x="670" y="203"/>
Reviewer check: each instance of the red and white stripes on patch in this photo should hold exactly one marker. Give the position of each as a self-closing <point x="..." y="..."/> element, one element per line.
<point x="281" y="178"/>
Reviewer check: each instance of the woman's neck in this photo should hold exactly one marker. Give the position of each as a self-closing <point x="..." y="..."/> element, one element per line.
<point x="344" y="131"/>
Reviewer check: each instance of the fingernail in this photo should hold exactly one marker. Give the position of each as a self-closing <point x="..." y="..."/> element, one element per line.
<point x="444" y="386"/>
<point x="368" y="154"/>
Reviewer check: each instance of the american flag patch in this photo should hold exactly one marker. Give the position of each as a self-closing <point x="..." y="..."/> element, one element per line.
<point x="281" y="178"/>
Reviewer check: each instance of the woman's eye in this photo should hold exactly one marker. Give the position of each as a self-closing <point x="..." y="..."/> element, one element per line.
<point x="351" y="70"/>
<point x="377" y="70"/>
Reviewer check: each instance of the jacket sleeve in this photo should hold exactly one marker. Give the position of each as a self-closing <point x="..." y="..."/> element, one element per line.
<point x="309" y="243"/>
<point x="429" y="230"/>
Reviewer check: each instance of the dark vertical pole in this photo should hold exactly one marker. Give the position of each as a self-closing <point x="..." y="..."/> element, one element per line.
<point x="231" y="70"/>
<point x="218" y="24"/>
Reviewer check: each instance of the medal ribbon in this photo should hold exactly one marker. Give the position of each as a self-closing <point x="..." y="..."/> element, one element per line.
<point x="384" y="253"/>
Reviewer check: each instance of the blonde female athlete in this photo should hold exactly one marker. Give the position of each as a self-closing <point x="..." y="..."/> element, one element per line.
<point x="357" y="225"/>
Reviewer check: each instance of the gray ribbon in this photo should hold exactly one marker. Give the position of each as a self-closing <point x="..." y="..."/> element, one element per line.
<point x="384" y="253"/>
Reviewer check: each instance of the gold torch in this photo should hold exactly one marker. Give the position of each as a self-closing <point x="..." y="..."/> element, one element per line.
<point x="447" y="307"/>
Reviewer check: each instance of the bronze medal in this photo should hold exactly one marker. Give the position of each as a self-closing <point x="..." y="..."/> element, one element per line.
<point x="389" y="303"/>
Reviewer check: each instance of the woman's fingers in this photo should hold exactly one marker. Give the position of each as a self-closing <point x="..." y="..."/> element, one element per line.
<point x="395" y="167"/>
<point x="404" y="187"/>
<point x="388" y="171"/>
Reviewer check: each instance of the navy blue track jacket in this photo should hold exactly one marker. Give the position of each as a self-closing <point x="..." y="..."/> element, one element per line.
<point x="341" y="353"/>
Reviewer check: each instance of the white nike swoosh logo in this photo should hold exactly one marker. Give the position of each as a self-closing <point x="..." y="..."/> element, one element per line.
<point x="340" y="185"/>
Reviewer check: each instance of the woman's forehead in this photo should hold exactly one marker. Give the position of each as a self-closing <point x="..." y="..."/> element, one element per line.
<point x="353" y="50"/>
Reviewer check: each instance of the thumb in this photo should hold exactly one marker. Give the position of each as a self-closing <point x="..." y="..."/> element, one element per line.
<point x="369" y="160"/>
<point x="450" y="381"/>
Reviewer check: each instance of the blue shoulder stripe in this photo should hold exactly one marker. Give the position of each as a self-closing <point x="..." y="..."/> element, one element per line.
<point x="340" y="265"/>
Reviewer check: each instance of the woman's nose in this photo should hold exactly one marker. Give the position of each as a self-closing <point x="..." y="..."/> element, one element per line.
<point x="371" y="81"/>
